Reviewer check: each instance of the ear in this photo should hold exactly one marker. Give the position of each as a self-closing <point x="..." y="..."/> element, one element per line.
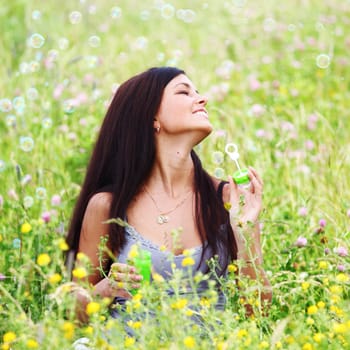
<point x="156" y="124"/>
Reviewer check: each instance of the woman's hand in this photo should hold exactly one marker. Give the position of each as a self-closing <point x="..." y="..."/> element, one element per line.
<point x="245" y="207"/>
<point x="246" y="204"/>
<point x="121" y="279"/>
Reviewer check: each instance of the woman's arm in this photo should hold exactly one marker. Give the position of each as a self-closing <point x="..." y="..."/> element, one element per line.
<point x="245" y="206"/>
<point x="93" y="229"/>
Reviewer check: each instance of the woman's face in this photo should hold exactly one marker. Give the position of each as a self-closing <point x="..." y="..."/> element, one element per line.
<point x="182" y="110"/>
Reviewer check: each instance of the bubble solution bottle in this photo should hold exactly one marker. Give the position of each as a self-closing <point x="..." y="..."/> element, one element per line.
<point x="143" y="265"/>
<point x="240" y="177"/>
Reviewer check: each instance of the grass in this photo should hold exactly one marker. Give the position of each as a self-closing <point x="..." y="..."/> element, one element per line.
<point x="277" y="75"/>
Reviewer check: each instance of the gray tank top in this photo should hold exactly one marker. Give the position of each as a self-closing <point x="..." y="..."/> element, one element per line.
<point x="162" y="262"/>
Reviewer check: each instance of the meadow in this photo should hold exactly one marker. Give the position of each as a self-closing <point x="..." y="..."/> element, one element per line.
<point x="277" y="75"/>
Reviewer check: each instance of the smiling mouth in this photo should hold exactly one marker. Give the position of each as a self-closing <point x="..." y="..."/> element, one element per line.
<point x="201" y="113"/>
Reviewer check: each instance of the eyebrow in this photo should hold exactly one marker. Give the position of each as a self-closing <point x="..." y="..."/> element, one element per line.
<point x="187" y="85"/>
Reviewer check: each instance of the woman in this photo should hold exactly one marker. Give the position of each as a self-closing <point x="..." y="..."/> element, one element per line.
<point x="144" y="170"/>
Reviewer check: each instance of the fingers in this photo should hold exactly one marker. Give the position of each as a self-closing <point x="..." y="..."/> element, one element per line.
<point x="256" y="175"/>
<point x="123" y="276"/>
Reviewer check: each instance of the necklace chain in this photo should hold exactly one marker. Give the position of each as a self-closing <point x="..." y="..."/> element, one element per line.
<point x="163" y="217"/>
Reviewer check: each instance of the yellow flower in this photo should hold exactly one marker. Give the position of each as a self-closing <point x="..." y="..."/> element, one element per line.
<point x="311" y="310"/>
<point x="305" y="285"/>
<point x="290" y="339"/>
<point x="221" y="345"/>
<point x="189" y="312"/>
<point x="310" y="321"/>
<point x="81" y="256"/>
<point x="129" y="341"/>
<point x="134" y="324"/>
<point x="179" y="304"/>
<point x="336" y="289"/>
<point x="318" y="337"/>
<point x="227" y="206"/>
<point x="26" y="227"/>
<point x="88" y="330"/>
<point x="242" y="333"/>
<point x="133" y="252"/>
<point x="55" y="278"/>
<point x="157" y="277"/>
<point x="189" y="342"/>
<point x="68" y="329"/>
<point x="32" y="344"/>
<point x="92" y="308"/>
<point x="264" y="345"/>
<point x="1" y="237"/>
<point x="307" y="346"/>
<point x="188" y="261"/>
<point x="79" y="272"/>
<point x="63" y="245"/>
<point x="335" y="299"/>
<point x="321" y="305"/>
<point x="339" y="328"/>
<point x="204" y="302"/>
<point x="43" y="259"/>
<point x="342" y="278"/>
<point x="323" y="265"/>
<point x="278" y="345"/>
<point x="9" y="337"/>
<point x="232" y="268"/>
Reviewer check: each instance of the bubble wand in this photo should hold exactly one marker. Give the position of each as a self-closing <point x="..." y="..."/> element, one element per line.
<point x="240" y="177"/>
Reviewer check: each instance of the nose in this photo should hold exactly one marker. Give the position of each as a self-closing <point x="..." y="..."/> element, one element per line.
<point x="202" y="100"/>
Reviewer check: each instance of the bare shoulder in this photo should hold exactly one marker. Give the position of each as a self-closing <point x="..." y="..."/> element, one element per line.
<point x="100" y="203"/>
<point x="97" y="211"/>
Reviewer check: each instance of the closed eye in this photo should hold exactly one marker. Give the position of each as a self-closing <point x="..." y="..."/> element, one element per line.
<point x="184" y="92"/>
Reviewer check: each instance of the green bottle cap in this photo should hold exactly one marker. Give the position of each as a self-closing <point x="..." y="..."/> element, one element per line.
<point x="241" y="177"/>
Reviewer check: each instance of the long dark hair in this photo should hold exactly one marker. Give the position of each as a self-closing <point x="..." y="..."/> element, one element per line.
<point x="124" y="155"/>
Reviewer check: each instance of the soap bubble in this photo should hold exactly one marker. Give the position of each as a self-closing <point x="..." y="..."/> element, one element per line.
<point x="26" y="143"/>
<point x="145" y="15"/>
<point x="187" y="16"/>
<point x="36" y="15"/>
<point x="116" y="12"/>
<point x="219" y="173"/>
<point x="141" y="43"/>
<point x="218" y="157"/>
<point x="11" y="120"/>
<point x="323" y="61"/>
<point x="46" y="123"/>
<point x="32" y="94"/>
<point x="40" y="193"/>
<point x="24" y="68"/>
<point x="239" y="3"/>
<point x="94" y="41"/>
<point x="19" y="104"/>
<point x="36" y="41"/>
<point x="28" y="201"/>
<point x="34" y="66"/>
<point x="16" y="243"/>
<point x="5" y="105"/>
<point x="2" y="166"/>
<point x="75" y="17"/>
<point x="269" y="24"/>
<point x="167" y="11"/>
<point x="63" y="43"/>
<point x="69" y="106"/>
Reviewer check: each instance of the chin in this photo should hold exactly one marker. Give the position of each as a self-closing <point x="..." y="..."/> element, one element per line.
<point x="202" y="133"/>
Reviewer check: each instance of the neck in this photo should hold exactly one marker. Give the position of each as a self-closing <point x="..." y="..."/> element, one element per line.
<point x="172" y="172"/>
